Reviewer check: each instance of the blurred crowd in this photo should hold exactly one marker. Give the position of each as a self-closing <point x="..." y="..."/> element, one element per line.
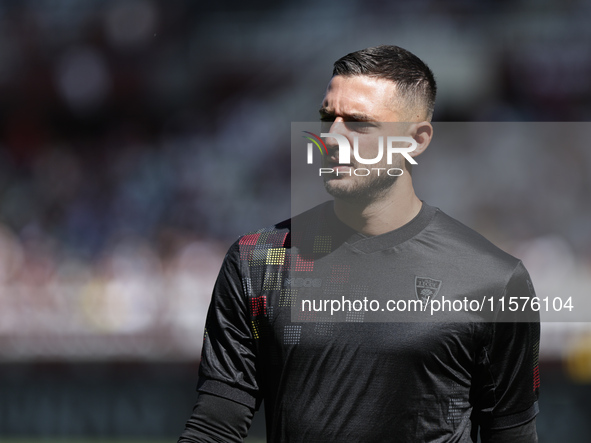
<point x="122" y="181"/>
<point x="139" y="138"/>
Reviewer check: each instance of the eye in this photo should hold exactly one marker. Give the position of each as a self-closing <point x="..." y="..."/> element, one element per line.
<point x="360" y="127"/>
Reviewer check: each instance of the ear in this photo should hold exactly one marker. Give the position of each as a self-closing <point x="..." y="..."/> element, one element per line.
<point x="422" y="133"/>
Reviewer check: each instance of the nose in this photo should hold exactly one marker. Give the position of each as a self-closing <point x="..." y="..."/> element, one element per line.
<point x="338" y="127"/>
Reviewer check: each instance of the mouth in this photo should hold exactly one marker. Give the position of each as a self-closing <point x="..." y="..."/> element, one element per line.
<point x="332" y="162"/>
<point x="338" y="170"/>
<point x="340" y="167"/>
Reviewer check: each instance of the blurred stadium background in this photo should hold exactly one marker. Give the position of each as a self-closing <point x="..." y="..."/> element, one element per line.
<point x="135" y="143"/>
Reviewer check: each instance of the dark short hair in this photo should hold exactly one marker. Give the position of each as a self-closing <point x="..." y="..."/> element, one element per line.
<point x="413" y="78"/>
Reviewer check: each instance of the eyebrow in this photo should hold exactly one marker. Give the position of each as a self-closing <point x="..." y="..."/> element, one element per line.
<point x="353" y="116"/>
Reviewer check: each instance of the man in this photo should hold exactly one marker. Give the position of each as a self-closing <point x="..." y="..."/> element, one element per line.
<point x="328" y="378"/>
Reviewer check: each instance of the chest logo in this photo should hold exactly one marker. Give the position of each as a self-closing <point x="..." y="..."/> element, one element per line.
<point x="426" y="288"/>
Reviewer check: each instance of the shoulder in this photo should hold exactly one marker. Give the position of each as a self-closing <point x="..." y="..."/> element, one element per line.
<point x="276" y="236"/>
<point x="464" y="243"/>
<point x="279" y="234"/>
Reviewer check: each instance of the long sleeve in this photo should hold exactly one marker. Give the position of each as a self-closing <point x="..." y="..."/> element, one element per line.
<point x="217" y="419"/>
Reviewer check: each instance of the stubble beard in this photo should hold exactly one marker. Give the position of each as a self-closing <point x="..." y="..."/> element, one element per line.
<point x="361" y="189"/>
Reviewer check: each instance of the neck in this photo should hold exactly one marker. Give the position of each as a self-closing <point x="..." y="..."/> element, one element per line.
<point x="383" y="214"/>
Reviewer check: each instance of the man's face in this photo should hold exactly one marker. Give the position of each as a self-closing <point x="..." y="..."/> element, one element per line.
<point x="355" y="107"/>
